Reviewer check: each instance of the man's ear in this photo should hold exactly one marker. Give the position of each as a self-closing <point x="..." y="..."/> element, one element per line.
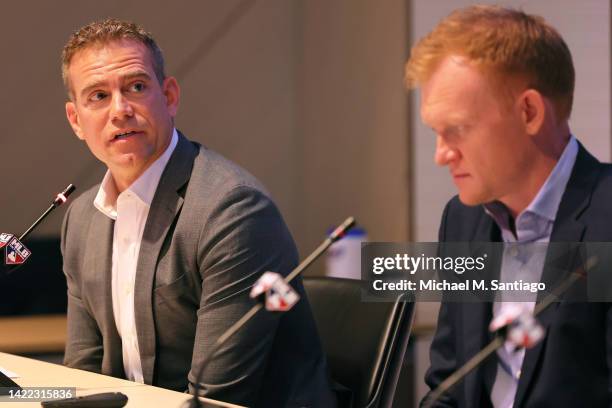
<point x="73" y="119"/>
<point x="533" y="110"/>
<point x="172" y="92"/>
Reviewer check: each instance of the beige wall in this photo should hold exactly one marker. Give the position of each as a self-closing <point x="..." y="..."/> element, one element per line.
<point x="237" y="97"/>
<point x="352" y="119"/>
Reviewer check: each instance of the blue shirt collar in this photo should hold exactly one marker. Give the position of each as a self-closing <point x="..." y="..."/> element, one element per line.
<point x="545" y="204"/>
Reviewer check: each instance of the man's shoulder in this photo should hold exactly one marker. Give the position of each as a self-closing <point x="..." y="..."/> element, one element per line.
<point x="219" y="189"/>
<point x="215" y="175"/>
<point x="604" y="181"/>
<point x="597" y="215"/>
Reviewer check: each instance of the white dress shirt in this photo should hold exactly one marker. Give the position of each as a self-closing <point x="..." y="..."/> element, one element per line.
<point x="129" y="210"/>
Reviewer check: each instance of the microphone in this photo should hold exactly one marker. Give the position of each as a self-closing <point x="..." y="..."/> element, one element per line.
<point x="60" y="199"/>
<point x="273" y="291"/>
<point x="517" y="326"/>
<point x="15" y="252"/>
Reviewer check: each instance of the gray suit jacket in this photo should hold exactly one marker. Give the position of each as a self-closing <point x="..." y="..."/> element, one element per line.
<point x="211" y="232"/>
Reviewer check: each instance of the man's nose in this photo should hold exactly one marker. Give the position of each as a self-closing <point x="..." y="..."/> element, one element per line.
<point x="121" y="107"/>
<point x="444" y="153"/>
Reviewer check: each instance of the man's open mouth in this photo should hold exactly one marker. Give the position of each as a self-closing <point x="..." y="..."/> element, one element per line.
<point x="125" y="135"/>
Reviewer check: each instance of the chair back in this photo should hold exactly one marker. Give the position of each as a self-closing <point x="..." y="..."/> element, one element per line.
<point x="365" y="342"/>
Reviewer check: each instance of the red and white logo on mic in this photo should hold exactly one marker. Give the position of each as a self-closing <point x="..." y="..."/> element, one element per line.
<point x="280" y="296"/>
<point x="5" y="239"/>
<point x="16" y="252"/>
<point x="523" y="330"/>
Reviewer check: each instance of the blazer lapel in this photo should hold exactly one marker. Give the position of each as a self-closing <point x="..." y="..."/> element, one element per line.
<point x="476" y="318"/>
<point x="98" y="261"/>
<point x="567" y="228"/>
<point x="165" y="207"/>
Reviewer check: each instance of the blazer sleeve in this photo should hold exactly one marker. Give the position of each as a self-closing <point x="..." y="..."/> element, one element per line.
<point x="442" y="355"/>
<point x="244" y="237"/>
<point x="84" y="340"/>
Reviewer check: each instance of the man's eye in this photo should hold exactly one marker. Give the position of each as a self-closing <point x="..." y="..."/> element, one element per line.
<point x="455" y="132"/>
<point x="137" y="87"/>
<point x="97" y="96"/>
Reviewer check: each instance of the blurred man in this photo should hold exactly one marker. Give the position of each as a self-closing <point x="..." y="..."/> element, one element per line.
<point x="161" y="255"/>
<point x="497" y="88"/>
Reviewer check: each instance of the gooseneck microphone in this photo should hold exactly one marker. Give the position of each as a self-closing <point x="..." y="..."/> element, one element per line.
<point x="337" y="234"/>
<point x="16" y="253"/>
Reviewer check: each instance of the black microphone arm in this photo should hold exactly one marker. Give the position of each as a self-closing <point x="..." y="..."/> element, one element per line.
<point x="60" y="199"/>
<point x="337" y="234"/>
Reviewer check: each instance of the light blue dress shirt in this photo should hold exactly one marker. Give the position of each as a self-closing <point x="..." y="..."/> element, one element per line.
<point x="524" y="259"/>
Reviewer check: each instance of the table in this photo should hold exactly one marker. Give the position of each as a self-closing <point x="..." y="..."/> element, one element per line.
<point x="34" y="373"/>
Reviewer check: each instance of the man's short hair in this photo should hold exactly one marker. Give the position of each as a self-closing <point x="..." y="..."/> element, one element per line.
<point x="503" y="43"/>
<point x="105" y="31"/>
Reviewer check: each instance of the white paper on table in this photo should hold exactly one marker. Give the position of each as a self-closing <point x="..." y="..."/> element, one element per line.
<point x="8" y="373"/>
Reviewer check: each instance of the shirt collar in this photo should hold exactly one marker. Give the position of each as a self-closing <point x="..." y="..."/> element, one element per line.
<point x="144" y="187"/>
<point x="546" y="202"/>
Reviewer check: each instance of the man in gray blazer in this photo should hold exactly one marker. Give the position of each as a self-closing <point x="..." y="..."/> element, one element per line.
<point x="160" y="257"/>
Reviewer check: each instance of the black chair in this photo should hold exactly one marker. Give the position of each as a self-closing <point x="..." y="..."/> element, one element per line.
<point x="365" y="342"/>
